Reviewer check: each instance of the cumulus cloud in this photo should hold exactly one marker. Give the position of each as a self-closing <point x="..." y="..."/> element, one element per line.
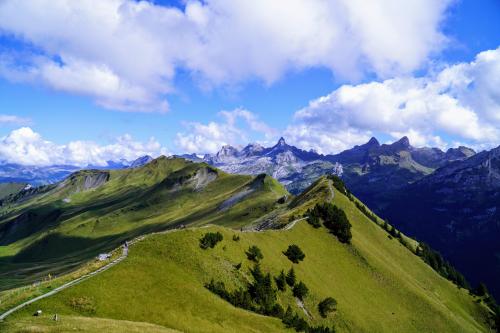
<point x="459" y="103"/>
<point x="125" y="53"/>
<point x="24" y="146"/>
<point x="210" y="137"/>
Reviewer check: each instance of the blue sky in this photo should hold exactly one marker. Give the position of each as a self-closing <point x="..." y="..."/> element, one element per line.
<point x="200" y="68"/>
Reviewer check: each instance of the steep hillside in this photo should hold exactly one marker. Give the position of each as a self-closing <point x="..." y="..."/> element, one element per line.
<point x="379" y="284"/>
<point x="55" y="228"/>
<point x="457" y="211"/>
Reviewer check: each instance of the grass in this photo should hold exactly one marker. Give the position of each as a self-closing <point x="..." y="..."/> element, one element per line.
<point x="83" y="324"/>
<point x="379" y="284"/>
<point x="57" y="231"/>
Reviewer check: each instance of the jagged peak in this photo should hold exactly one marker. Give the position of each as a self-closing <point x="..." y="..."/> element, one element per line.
<point x="281" y="142"/>
<point x="404" y="141"/>
<point x="373" y="142"/>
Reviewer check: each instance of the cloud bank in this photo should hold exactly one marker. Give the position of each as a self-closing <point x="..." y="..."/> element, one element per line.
<point x="26" y="147"/>
<point x="460" y="103"/>
<point x="125" y="54"/>
<point x="235" y="129"/>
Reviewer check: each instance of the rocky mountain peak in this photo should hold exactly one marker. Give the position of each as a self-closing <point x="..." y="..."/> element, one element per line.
<point x="281" y="142"/>
<point x="373" y="142"/>
<point x="404" y="142"/>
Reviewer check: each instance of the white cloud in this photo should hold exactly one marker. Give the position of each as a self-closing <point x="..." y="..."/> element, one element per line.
<point x="24" y="146"/>
<point x="125" y="53"/>
<point x="459" y="103"/>
<point x="209" y="138"/>
<point x="13" y="120"/>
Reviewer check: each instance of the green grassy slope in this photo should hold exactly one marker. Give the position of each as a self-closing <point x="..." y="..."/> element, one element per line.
<point x="93" y="211"/>
<point x="379" y="284"/>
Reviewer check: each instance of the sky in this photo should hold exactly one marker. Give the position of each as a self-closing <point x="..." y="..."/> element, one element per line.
<point x="90" y="81"/>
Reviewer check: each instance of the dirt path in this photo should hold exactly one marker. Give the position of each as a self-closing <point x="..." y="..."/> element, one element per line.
<point x="113" y="263"/>
<point x="330" y="186"/>
<point x="301" y="305"/>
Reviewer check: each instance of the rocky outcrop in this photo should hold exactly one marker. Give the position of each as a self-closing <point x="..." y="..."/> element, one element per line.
<point x="84" y="180"/>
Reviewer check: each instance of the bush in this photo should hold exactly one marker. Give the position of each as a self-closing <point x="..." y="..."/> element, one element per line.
<point x="237" y="266"/>
<point x="327" y="305"/>
<point x="236" y="238"/>
<point x="300" y="290"/>
<point x="281" y="281"/>
<point x="83" y="304"/>
<point x="290" y="277"/>
<point x="254" y="254"/>
<point x="294" y="254"/>
<point x="209" y="240"/>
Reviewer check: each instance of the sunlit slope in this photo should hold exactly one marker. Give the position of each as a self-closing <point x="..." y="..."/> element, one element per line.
<point x="379" y="284"/>
<point x="93" y="211"/>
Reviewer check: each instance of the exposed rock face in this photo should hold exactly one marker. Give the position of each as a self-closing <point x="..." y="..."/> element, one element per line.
<point x="85" y="180"/>
<point x="457" y="210"/>
<point x="203" y="177"/>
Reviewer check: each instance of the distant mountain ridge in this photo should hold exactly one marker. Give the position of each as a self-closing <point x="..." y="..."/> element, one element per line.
<point x="457" y="210"/>
<point x="42" y="175"/>
<point x="366" y="168"/>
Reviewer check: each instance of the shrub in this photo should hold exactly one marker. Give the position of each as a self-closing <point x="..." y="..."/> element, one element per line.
<point x="254" y="254"/>
<point x="237" y="266"/>
<point x="236" y="238"/>
<point x="210" y="239"/>
<point x="290" y="277"/>
<point x="83" y="304"/>
<point x="294" y="254"/>
<point x="327" y="305"/>
<point x="300" y="290"/>
<point x="281" y="281"/>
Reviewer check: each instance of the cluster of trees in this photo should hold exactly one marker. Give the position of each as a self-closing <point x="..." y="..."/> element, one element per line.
<point x="260" y="295"/>
<point x="294" y="254"/>
<point x="210" y="239"/>
<point x="362" y="208"/>
<point x="333" y="217"/>
<point x="483" y="292"/>
<point x="437" y="262"/>
<point x="339" y="184"/>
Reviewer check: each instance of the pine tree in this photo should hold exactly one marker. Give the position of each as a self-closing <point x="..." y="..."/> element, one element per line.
<point x="290" y="277"/>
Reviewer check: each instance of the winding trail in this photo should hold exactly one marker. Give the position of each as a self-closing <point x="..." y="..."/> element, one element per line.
<point x="123" y="256"/>
<point x="67" y="284"/>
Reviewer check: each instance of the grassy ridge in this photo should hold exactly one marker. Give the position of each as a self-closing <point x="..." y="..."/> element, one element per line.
<point x="94" y="211"/>
<point x="380" y="285"/>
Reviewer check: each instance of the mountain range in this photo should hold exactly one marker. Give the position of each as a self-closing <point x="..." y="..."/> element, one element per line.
<point x="456" y="210"/>
<point x="155" y="220"/>
<point x="449" y="199"/>
<point x="370" y="170"/>
<point x="42" y="175"/>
